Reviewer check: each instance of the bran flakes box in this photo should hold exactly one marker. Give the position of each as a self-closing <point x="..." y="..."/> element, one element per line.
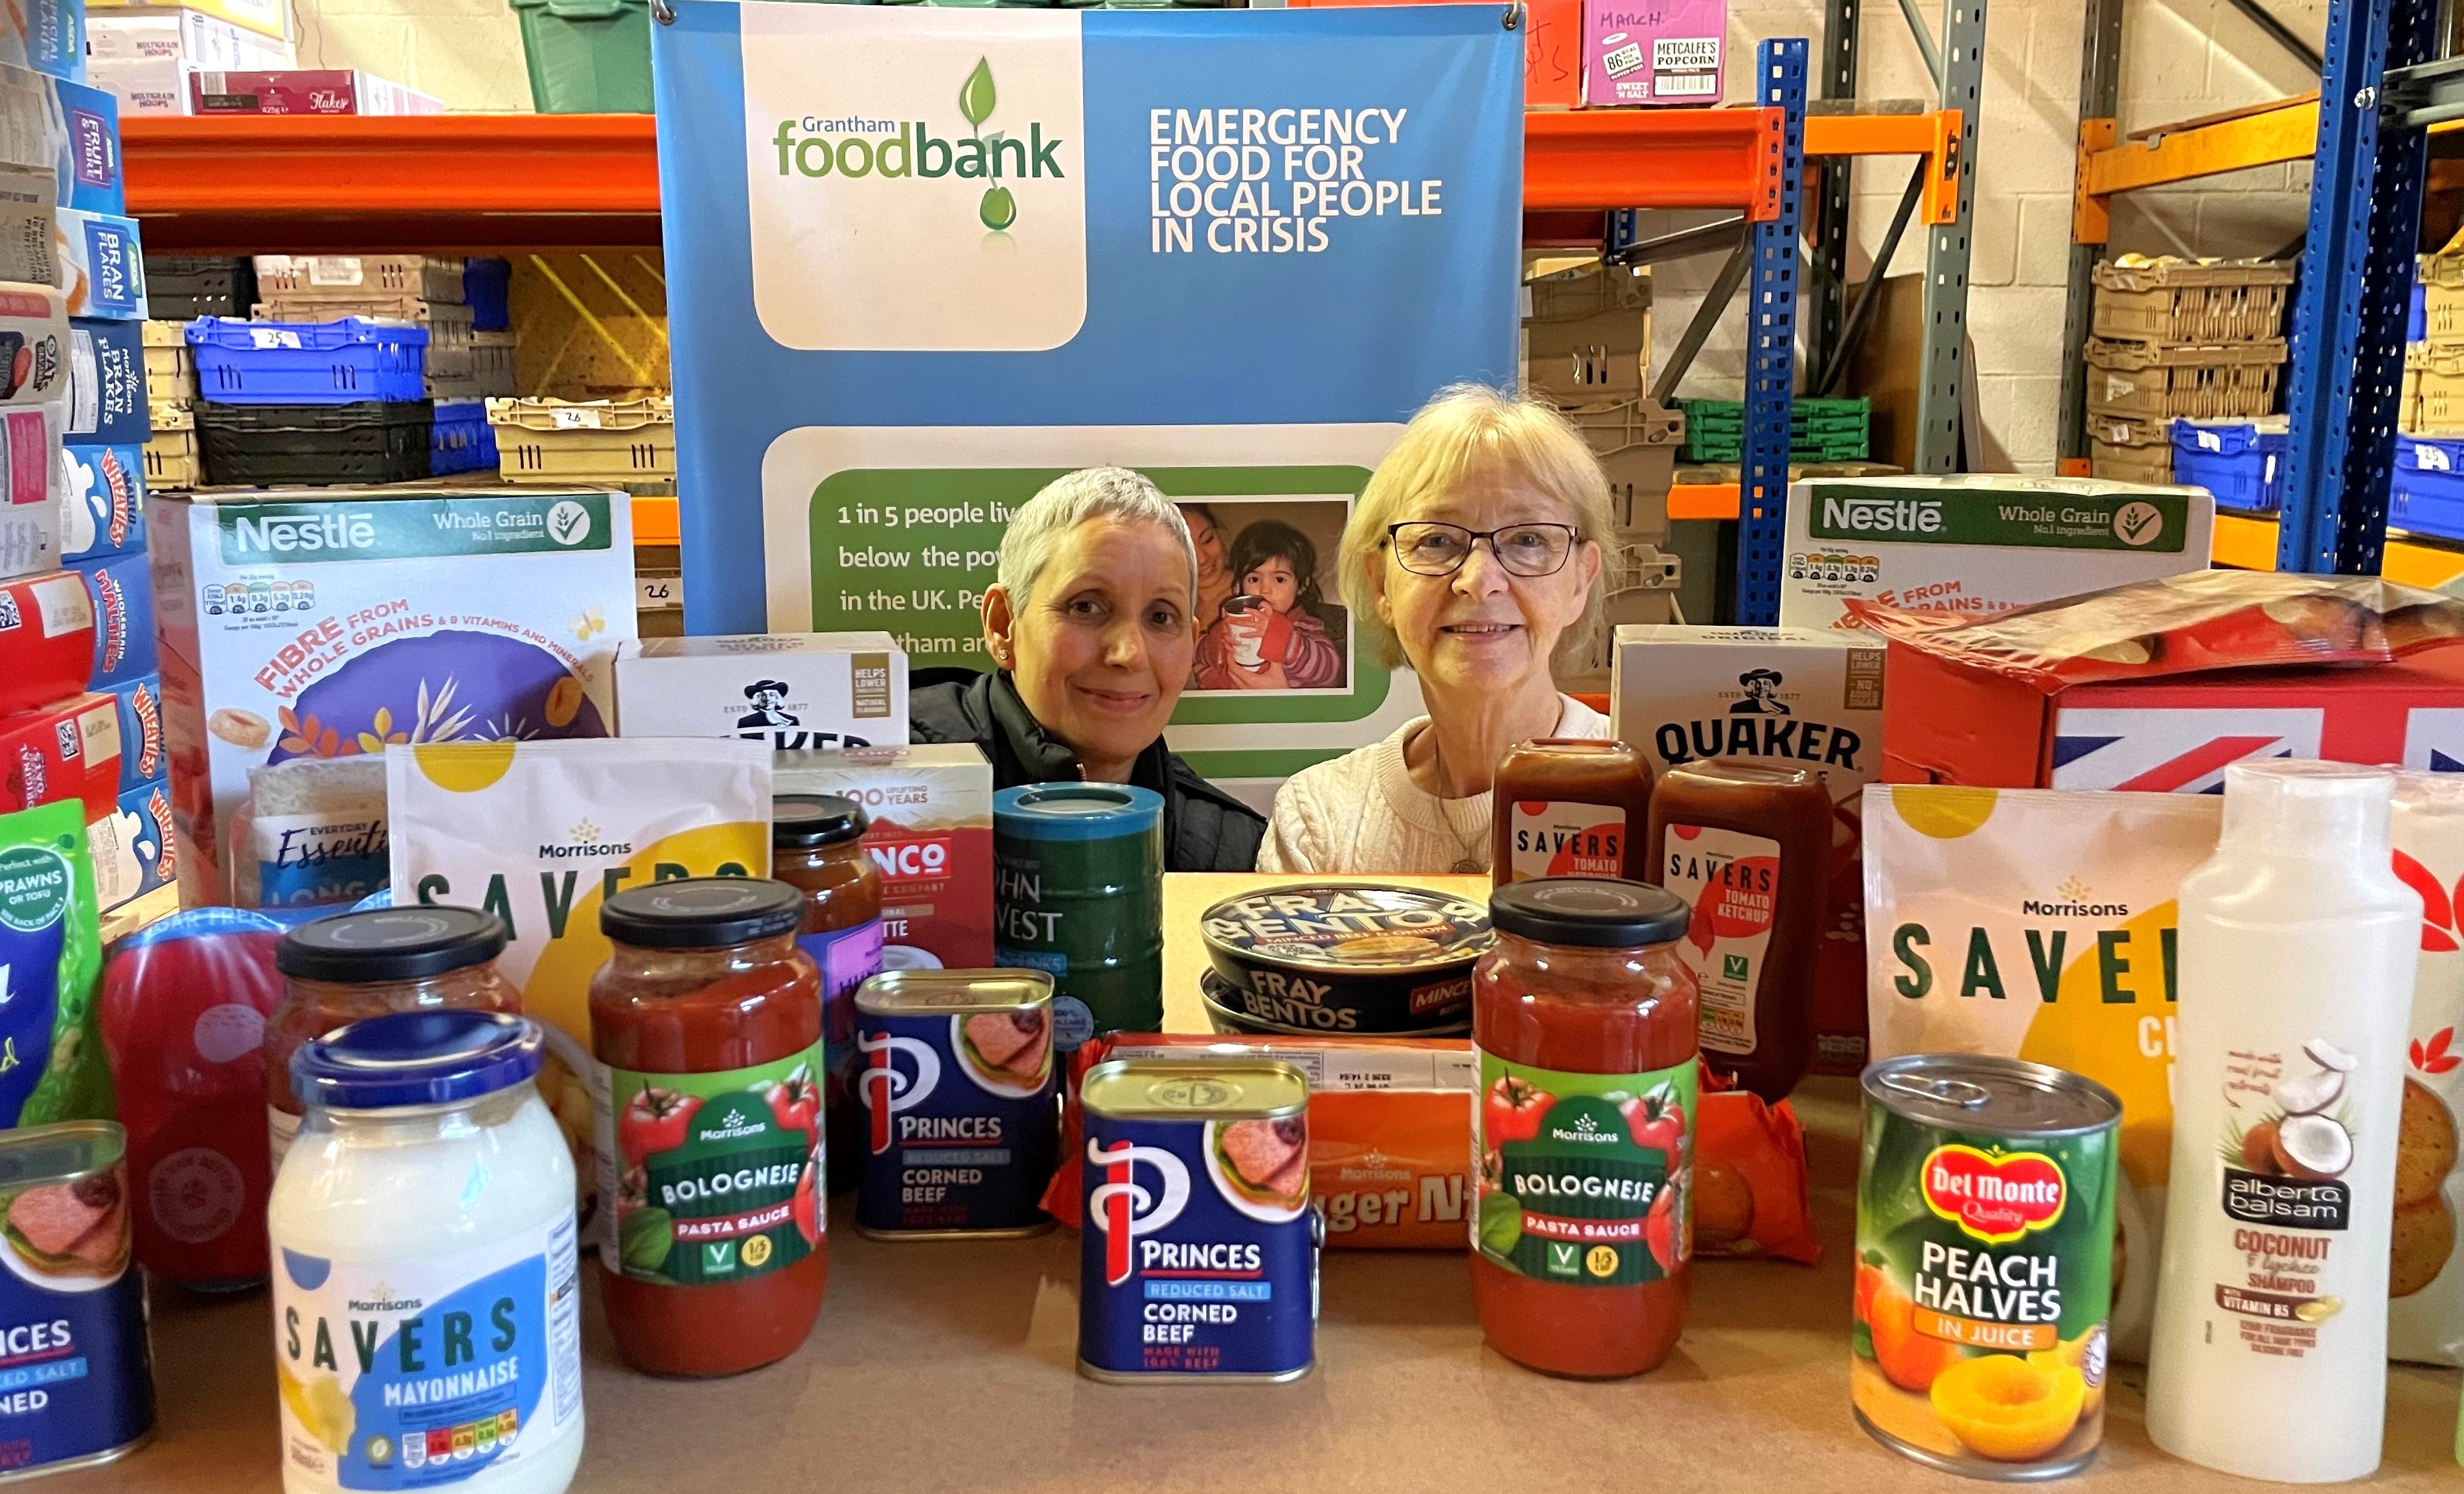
<point x="932" y="836"/>
<point x="335" y="622"/>
<point x="790" y="690"/>
<point x="2038" y="924"/>
<point x="1685" y="694"/>
<point x="1981" y="544"/>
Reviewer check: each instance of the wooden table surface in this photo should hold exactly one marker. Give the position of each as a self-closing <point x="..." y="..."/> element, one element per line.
<point x="949" y="1367"/>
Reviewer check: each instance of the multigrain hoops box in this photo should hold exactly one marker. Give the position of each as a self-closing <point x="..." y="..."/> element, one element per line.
<point x="337" y="622"/>
<point x="1786" y="697"/>
<point x="791" y="689"/>
<point x="932" y="836"/>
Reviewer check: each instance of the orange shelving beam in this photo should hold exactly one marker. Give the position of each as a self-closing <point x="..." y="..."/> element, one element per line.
<point x="458" y="181"/>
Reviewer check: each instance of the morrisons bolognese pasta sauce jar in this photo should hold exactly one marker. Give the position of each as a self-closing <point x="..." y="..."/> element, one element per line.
<point x="1583" y="1023"/>
<point x="707" y="1023"/>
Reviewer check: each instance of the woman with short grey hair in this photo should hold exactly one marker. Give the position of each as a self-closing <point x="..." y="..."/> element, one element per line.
<point x="1091" y="627"/>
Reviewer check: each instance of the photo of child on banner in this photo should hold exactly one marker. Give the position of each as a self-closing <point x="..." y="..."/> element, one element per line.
<point x="1267" y="624"/>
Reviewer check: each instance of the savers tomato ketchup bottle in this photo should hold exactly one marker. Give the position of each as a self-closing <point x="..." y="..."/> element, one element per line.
<point x="708" y="1022"/>
<point x="1583" y="1024"/>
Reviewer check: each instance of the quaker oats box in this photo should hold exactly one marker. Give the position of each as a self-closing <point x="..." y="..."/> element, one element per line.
<point x="823" y="691"/>
<point x="1787" y="697"/>
<point x="332" y="621"/>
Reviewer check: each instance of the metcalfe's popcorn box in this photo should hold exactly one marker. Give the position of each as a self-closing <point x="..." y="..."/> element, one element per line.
<point x="2038" y="925"/>
<point x="1786" y="696"/>
<point x="932" y="836"/>
<point x="1978" y="545"/>
<point x="540" y="833"/>
<point x="790" y="690"/>
<point x="1390" y="1132"/>
<point x="338" y="621"/>
<point x="1653" y="51"/>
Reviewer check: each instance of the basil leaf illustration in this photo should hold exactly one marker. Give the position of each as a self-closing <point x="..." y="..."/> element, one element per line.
<point x="644" y="1239"/>
<point x="1501" y="1223"/>
<point x="975" y="96"/>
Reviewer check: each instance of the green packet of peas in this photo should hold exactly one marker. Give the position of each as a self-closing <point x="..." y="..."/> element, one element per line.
<point x="51" y="1064"/>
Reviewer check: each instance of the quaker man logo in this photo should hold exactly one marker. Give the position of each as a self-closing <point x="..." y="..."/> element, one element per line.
<point x="1762" y="695"/>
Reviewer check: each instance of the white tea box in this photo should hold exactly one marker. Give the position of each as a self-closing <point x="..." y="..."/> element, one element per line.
<point x="794" y="689"/>
<point x="1979" y="544"/>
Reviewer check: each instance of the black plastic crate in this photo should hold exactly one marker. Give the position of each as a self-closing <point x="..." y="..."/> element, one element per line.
<point x="364" y="442"/>
<point x="183" y="287"/>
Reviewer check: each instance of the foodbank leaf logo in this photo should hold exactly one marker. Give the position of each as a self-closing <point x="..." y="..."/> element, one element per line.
<point x="977" y="100"/>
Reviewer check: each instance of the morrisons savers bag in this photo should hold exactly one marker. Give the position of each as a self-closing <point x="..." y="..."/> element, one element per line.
<point x="2038" y="924"/>
<point x="540" y="832"/>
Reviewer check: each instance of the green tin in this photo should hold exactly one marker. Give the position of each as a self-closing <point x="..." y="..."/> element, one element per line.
<point x="1078" y="893"/>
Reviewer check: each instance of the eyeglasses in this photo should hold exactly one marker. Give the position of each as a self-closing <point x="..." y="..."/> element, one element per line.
<point x="1426" y="548"/>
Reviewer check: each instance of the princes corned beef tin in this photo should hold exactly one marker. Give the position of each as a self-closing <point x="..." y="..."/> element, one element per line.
<point x="77" y="1380"/>
<point x="956" y="1078"/>
<point x="1198" y="1258"/>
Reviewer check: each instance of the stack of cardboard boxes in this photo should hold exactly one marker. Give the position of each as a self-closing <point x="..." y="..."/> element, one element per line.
<point x="147" y="56"/>
<point x="2173" y="339"/>
<point x="1587" y="349"/>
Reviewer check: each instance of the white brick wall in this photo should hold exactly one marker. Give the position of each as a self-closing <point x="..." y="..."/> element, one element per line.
<point x="2181" y="58"/>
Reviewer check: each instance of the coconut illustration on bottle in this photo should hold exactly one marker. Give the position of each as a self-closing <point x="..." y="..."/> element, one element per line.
<point x="2303" y="1139"/>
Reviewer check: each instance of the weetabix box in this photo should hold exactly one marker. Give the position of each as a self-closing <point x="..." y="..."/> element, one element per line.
<point x="1979" y="544"/>
<point x="791" y="689"/>
<point x="334" y="621"/>
<point x="932" y="836"/>
<point x="1797" y="697"/>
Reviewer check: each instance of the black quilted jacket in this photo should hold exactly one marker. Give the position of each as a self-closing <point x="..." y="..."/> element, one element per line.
<point x="1204" y="829"/>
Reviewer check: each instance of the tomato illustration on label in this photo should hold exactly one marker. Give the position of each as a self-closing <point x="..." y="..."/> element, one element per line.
<point x="796" y="1100"/>
<point x="655" y="1121"/>
<point x="1658" y="1123"/>
<point x="1514" y="1110"/>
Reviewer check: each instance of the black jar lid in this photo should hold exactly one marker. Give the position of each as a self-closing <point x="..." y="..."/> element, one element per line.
<point x="407" y="943"/>
<point x="1589" y="912"/>
<point x="702" y="913"/>
<point x="803" y="822"/>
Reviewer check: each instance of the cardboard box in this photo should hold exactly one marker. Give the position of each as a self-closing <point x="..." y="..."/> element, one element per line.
<point x="103" y="511"/>
<point x="46" y="639"/>
<point x="1982" y="544"/>
<point x="69" y="749"/>
<point x="133" y="847"/>
<point x="142" y="758"/>
<point x="2173" y="734"/>
<point x="46" y="37"/>
<point x="305" y="90"/>
<point x="122" y="592"/>
<point x="180" y="35"/>
<point x="1798" y="696"/>
<point x="27" y="226"/>
<point x="296" y="622"/>
<point x="105" y="383"/>
<point x="265" y="17"/>
<point x="791" y="689"/>
<point x="146" y="87"/>
<point x="67" y="128"/>
<point x="101" y="265"/>
<point x="932" y="836"/>
<point x="31" y="487"/>
<point x="1664" y="51"/>
<point x="1552" y="54"/>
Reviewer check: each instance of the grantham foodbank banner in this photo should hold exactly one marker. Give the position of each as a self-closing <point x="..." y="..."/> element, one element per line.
<point x="922" y="261"/>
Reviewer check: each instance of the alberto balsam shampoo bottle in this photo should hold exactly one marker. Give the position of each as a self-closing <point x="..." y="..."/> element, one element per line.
<point x="2298" y="949"/>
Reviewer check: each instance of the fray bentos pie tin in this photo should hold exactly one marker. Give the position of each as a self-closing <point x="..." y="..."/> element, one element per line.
<point x="1231" y="1010"/>
<point x="1317" y="958"/>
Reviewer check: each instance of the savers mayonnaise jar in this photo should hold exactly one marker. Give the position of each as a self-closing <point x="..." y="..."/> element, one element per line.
<point x="2037" y="924"/>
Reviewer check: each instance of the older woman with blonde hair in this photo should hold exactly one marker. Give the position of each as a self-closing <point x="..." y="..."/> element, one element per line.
<point x="1474" y="555"/>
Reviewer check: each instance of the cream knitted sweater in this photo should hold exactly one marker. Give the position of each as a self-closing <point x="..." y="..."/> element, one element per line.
<point x="1362" y="813"/>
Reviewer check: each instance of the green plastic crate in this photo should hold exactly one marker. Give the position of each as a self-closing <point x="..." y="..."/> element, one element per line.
<point x="587" y="56"/>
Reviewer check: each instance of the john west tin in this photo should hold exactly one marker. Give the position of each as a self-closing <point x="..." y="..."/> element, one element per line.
<point x="1985" y="1263"/>
<point x="1199" y="1258"/>
<point x="956" y="1077"/>
<point x="1078" y="893"/>
<point x="76" y="1377"/>
<point x="1347" y="958"/>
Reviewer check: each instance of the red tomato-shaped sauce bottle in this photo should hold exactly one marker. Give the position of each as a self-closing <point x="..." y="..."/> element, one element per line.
<point x="1583" y="1024"/>
<point x="708" y="1018"/>
<point x="1569" y="807"/>
<point x="1748" y="847"/>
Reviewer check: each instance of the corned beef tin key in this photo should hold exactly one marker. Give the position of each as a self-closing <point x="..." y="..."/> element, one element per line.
<point x="956" y="1078"/>
<point x="1198" y="1255"/>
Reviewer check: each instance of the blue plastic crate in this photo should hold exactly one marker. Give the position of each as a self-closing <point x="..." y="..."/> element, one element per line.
<point x="487" y="289"/>
<point x="309" y="362"/>
<point x="2416" y="325"/>
<point x="2238" y="461"/>
<point x="461" y="440"/>
<point x="2427" y="493"/>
